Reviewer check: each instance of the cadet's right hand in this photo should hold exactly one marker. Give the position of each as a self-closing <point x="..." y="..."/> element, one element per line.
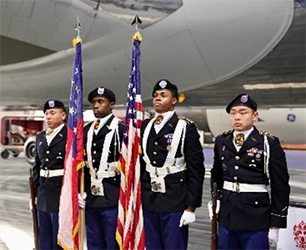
<point x="210" y="209"/>
<point x="82" y="201"/>
<point x="273" y="237"/>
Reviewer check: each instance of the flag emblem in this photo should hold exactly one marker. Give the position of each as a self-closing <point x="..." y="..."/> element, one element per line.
<point x="130" y="230"/>
<point x="74" y="160"/>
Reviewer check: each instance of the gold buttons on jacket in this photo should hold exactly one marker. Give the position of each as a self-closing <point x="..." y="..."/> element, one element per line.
<point x="47" y="159"/>
<point x="47" y="152"/>
<point x="155" y="143"/>
<point x="154" y="153"/>
<point x="236" y="167"/>
<point x="237" y="157"/>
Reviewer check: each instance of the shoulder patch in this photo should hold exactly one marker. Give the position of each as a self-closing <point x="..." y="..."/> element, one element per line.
<point x="185" y="119"/>
<point x="88" y="123"/>
<point x="265" y="133"/>
<point x="226" y="133"/>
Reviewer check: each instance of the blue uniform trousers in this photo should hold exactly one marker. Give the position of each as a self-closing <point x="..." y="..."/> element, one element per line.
<point x="163" y="232"/>
<point x="240" y="239"/>
<point x="101" y="225"/>
<point x="47" y="228"/>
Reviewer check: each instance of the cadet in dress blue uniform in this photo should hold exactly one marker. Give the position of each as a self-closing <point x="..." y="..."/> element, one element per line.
<point x="245" y="161"/>
<point x="172" y="172"/>
<point x="102" y="145"/>
<point x="48" y="172"/>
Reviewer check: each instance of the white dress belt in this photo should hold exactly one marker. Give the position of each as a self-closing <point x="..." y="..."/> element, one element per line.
<point x="111" y="171"/>
<point x="51" y="173"/>
<point x="244" y="187"/>
<point x="179" y="166"/>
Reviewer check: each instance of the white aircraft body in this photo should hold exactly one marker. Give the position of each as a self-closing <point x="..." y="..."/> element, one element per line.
<point x="199" y="44"/>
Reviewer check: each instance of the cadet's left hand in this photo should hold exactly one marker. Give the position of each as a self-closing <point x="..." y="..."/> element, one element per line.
<point x="187" y="218"/>
<point x="273" y="236"/>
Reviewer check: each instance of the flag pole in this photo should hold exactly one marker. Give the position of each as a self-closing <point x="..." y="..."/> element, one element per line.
<point x="81" y="228"/>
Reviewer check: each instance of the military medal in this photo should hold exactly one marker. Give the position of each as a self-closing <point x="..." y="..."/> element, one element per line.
<point x="169" y="141"/>
<point x="158" y="120"/>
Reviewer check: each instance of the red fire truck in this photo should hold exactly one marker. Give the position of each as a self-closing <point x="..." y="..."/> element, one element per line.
<point x="18" y="132"/>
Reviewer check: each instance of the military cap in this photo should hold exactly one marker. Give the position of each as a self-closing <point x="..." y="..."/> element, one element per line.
<point x="165" y="84"/>
<point x="102" y="92"/>
<point x="242" y="100"/>
<point x="54" y="104"/>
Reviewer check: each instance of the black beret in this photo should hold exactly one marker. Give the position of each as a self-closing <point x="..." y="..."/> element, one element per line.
<point x="54" y="104"/>
<point x="242" y="100"/>
<point x="165" y="84"/>
<point x="102" y="92"/>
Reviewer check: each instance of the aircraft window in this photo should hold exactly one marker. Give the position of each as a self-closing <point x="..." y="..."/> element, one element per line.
<point x="150" y="11"/>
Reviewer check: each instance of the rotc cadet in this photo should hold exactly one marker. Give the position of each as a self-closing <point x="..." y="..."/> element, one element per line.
<point x="102" y="144"/>
<point x="172" y="172"/>
<point x="245" y="159"/>
<point x="48" y="172"/>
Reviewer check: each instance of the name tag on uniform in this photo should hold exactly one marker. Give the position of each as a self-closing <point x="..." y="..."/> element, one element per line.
<point x="96" y="187"/>
<point x="158" y="185"/>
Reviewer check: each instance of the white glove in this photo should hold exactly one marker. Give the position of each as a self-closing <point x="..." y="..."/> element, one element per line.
<point x="30" y="203"/>
<point x="273" y="237"/>
<point x="81" y="200"/>
<point x="210" y="210"/>
<point x="187" y="218"/>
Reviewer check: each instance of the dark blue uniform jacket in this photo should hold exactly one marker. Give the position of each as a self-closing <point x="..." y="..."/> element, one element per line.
<point x="111" y="185"/>
<point x="250" y="210"/>
<point x="49" y="157"/>
<point x="182" y="189"/>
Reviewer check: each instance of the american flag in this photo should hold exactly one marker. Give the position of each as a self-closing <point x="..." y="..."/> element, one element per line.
<point x="74" y="160"/>
<point x="130" y="229"/>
